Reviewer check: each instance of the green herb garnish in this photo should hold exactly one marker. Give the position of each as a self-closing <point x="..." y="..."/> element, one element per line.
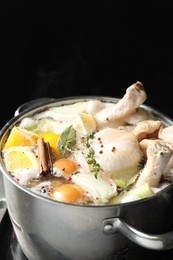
<point x="91" y="160"/>
<point x="67" y="141"/>
<point x="88" y="137"/>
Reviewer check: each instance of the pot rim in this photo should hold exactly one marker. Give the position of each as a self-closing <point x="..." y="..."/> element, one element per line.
<point x="48" y="102"/>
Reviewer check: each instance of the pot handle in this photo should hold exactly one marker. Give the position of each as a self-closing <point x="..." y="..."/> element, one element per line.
<point x="149" y="241"/>
<point x="33" y="104"/>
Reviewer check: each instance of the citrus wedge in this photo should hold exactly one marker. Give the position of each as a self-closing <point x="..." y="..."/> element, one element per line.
<point x="88" y="122"/>
<point x="20" y="137"/>
<point x="19" y="158"/>
<point x="52" y="139"/>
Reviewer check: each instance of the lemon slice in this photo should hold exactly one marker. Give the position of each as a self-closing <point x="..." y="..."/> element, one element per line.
<point x="20" y="137"/>
<point x="88" y="122"/>
<point x="19" y="158"/>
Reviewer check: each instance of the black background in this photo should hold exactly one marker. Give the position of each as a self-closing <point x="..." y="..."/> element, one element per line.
<point x="73" y="48"/>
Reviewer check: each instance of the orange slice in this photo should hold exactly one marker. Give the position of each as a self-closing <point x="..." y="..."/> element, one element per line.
<point x="52" y="139"/>
<point x="20" y="137"/>
<point x="19" y="158"/>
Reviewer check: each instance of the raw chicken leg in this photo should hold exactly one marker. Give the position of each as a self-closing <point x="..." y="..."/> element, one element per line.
<point x="135" y="96"/>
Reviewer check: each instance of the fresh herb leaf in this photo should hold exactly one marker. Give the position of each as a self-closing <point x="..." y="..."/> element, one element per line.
<point x="67" y="141"/>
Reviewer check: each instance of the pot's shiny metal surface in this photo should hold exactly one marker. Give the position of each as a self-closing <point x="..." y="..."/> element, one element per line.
<point x="48" y="229"/>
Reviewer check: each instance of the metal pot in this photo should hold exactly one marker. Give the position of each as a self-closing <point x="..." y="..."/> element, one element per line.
<point x="48" y="229"/>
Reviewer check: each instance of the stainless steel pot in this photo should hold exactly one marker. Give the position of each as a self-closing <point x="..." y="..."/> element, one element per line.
<point x="48" y="229"/>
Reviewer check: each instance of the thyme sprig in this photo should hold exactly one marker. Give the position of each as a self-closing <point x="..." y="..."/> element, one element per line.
<point x="92" y="161"/>
<point x="89" y="136"/>
<point x="90" y="156"/>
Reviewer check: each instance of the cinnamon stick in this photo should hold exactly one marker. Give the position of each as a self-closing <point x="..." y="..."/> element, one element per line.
<point x="44" y="157"/>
